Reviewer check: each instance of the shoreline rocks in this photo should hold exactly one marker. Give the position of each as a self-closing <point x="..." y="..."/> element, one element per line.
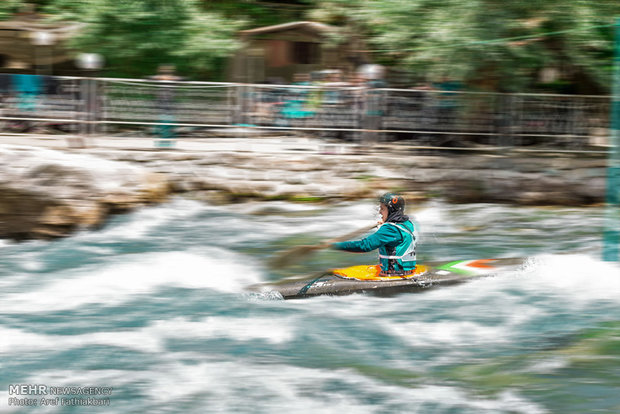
<point x="49" y="193"/>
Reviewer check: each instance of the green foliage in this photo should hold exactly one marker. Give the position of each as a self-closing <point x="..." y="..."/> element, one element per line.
<point x="8" y="7"/>
<point x="488" y="44"/>
<point x="72" y="10"/>
<point x="458" y="38"/>
<point x="136" y="36"/>
<point x="260" y="13"/>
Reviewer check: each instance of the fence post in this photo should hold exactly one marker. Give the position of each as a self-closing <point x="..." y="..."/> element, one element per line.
<point x="241" y="104"/>
<point x="94" y="106"/>
<point x="88" y="112"/>
<point x="507" y="116"/>
<point x="82" y="114"/>
<point x="101" y="101"/>
<point x="230" y="115"/>
<point x="611" y="234"/>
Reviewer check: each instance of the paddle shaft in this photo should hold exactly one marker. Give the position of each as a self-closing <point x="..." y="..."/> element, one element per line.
<point x="298" y="252"/>
<point x="350" y="235"/>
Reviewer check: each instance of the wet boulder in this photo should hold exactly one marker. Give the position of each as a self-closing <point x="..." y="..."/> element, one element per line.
<point x="47" y="194"/>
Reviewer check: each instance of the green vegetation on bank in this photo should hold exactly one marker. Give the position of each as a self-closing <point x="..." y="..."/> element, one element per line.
<point x="8" y="7"/>
<point x="556" y="45"/>
<point x="492" y="44"/>
<point x="135" y="37"/>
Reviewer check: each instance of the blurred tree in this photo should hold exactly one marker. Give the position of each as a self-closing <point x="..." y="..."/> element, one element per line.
<point x="458" y="39"/>
<point x="9" y="7"/>
<point x="258" y="13"/>
<point x="136" y="36"/>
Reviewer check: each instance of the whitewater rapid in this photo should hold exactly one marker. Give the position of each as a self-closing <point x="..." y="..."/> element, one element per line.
<point x="154" y="305"/>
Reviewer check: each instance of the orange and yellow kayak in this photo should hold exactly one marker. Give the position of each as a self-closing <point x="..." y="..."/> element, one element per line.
<point x="369" y="279"/>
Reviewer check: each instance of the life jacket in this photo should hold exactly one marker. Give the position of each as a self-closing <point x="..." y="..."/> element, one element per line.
<point x="400" y="260"/>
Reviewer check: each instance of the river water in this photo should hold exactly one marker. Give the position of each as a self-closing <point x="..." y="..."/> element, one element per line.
<point x="153" y="305"/>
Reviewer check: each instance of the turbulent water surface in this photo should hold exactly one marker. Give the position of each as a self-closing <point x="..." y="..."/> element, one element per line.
<point x="153" y="308"/>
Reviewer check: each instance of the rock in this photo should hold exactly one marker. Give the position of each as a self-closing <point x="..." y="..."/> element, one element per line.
<point x="19" y="211"/>
<point x="592" y="190"/>
<point x="46" y="194"/>
<point x="50" y="193"/>
<point x="89" y="214"/>
<point x="155" y="187"/>
<point x="120" y="201"/>
<point x="296" y="179"/>
<point x="62" y="215"/>
<point x="42" y="232"/>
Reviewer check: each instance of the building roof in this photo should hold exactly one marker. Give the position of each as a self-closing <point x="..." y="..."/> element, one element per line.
<point x="20" y="36"/>
<point x="37" y="23"/>
<point x="312" y="26"/>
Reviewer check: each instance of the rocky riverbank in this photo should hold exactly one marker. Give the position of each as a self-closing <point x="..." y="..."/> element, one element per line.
<point x="51" y="193"/>
<point x="330" y="174"/>
<point x="48" y="194"/>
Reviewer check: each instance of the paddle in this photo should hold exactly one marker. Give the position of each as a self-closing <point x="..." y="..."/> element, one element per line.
<point x="295" y="254"/>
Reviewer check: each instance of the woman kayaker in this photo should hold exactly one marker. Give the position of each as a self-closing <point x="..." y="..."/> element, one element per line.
<point x="396" y="238"/>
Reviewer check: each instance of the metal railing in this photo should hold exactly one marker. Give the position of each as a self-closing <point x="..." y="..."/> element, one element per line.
<point x="420" y="117"/>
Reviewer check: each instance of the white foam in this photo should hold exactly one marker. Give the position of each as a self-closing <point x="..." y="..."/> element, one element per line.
<point x="548" y="366"/>
<point x="117" y="379"/>
<point x="15" y="340"/>
<point x="29" y="262"/>
<point x="430" y="215"/>
<point x="244" y="384"/>
<point x="4" y="403"/>
<point x="96" y="250"/>
<point x="280" y="389"/>
<point x="448" y="333"/>
<point x="566" y="280"/>
<point x="496" y="310"/>
<point x="243" y="387"/>
<point x="432" y="218"/>
<point x="581" y="279"/>
<point x="152" y="338"/>
<point x="275" y="206"/>
<point x="135" y="275"/>
<point x="272" y="330"/>
<point x="139" y="223"/>
<point x="110" y="175"/>
<point x="348" y="216"/>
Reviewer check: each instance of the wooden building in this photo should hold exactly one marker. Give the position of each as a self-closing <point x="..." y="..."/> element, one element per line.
<point x="277" y="53"/>
<point x="29" y="44"/>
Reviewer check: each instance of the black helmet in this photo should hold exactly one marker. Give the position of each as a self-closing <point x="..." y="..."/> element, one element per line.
<point x="393" y="202"/>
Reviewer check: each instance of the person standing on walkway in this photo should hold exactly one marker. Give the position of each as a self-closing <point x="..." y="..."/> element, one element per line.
<point x="165" y="103"/>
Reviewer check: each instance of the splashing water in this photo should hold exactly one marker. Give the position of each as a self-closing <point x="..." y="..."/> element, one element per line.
<point x="154" y="306"/>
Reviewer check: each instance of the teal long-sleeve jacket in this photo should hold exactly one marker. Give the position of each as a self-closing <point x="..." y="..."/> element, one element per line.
<point x="396" y="243"/>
